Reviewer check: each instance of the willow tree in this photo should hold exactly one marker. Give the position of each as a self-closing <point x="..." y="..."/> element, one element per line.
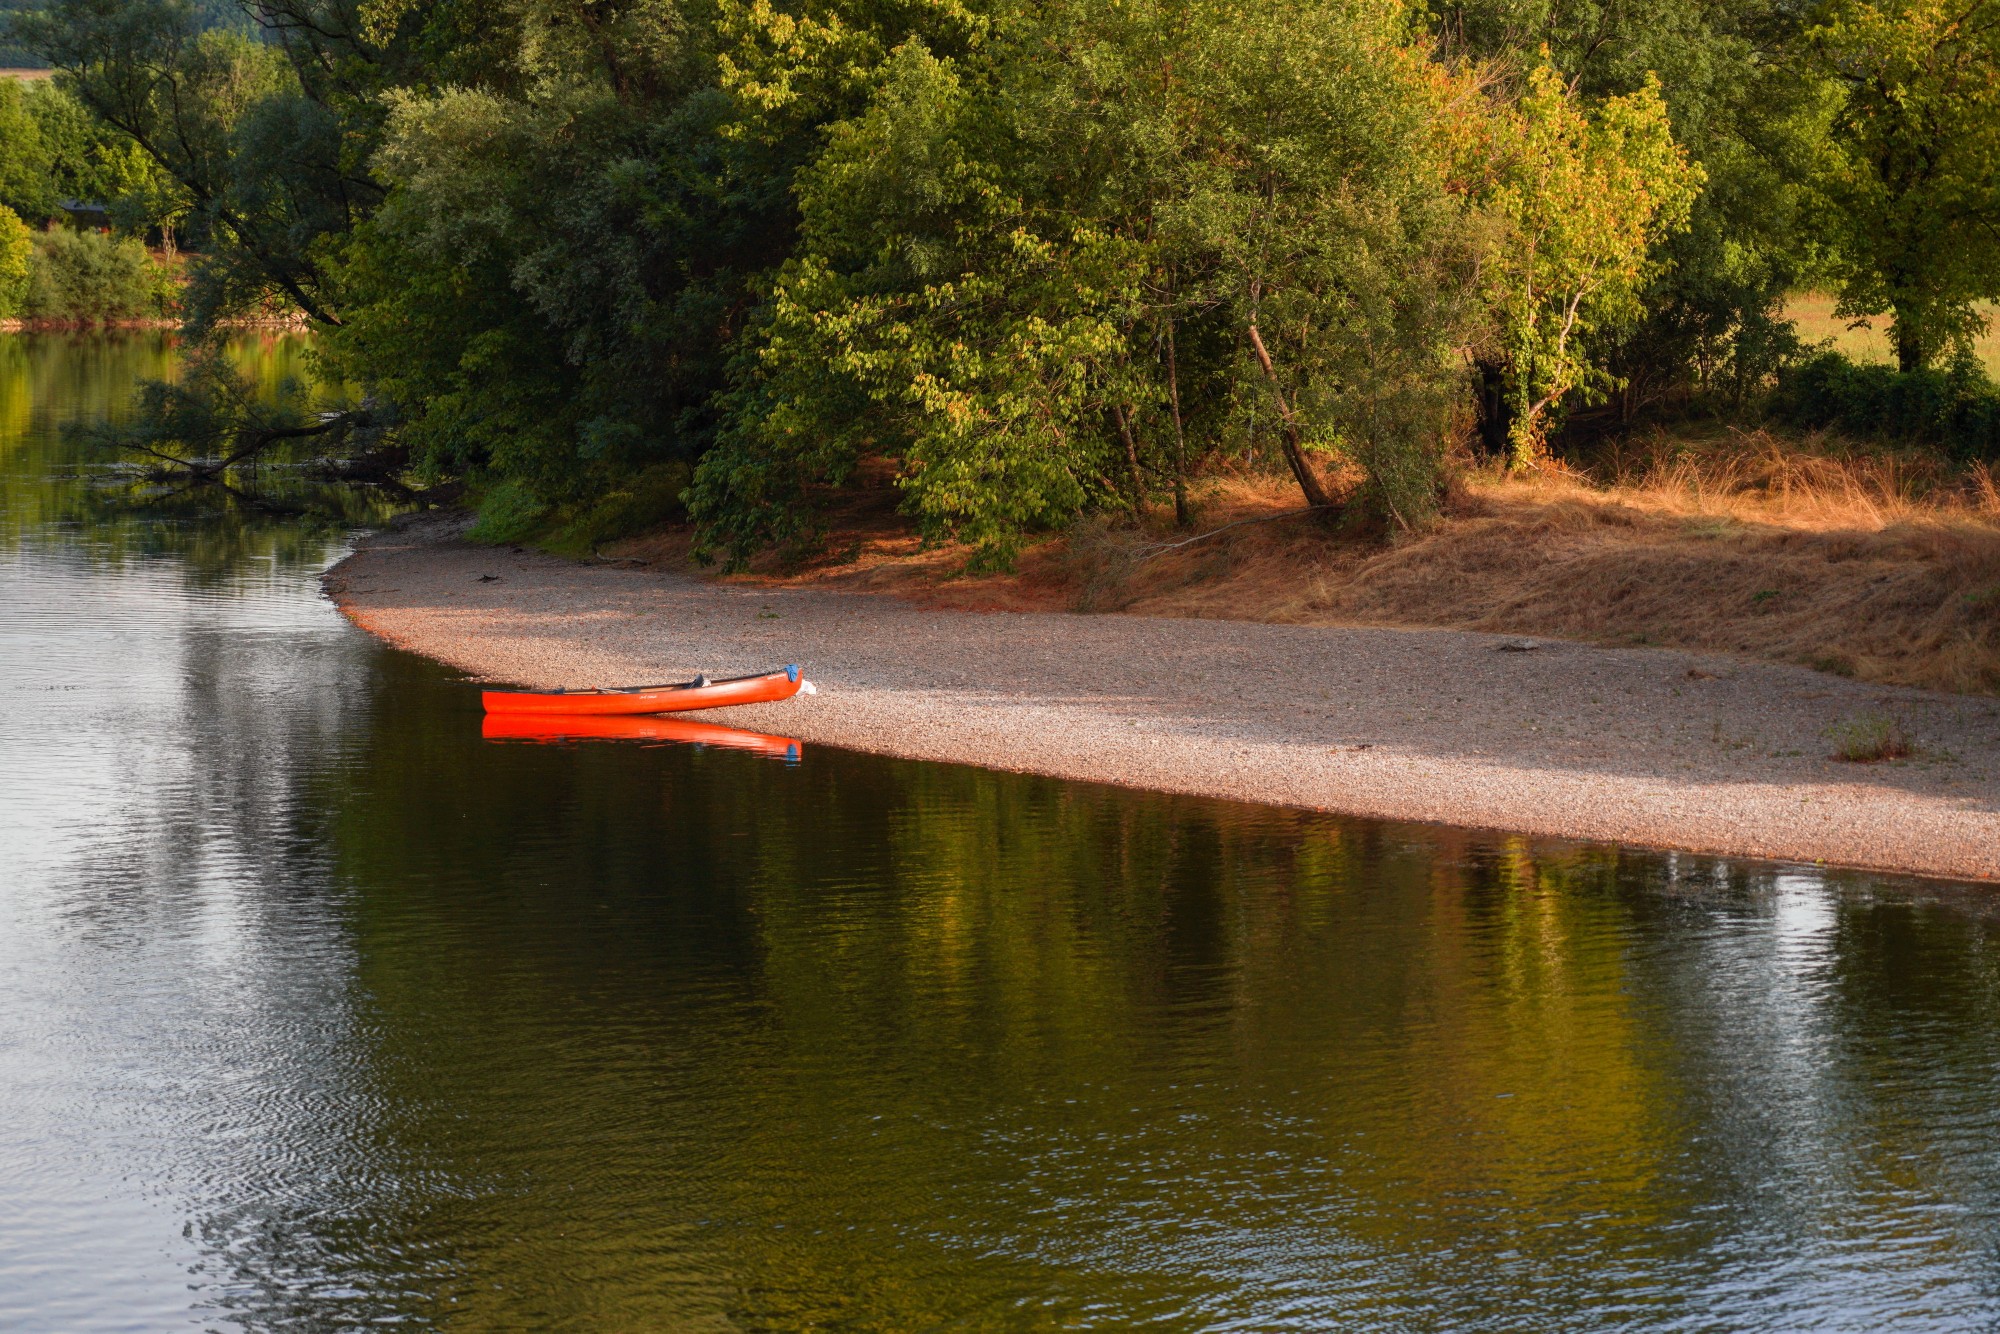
<point x="1323" y="182"/>
<point x="1048" y="276"/>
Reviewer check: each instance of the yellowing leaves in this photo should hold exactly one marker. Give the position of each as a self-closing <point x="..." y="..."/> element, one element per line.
<point x="1584" y="197"/>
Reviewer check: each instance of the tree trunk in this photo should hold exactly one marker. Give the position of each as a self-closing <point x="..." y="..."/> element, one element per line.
<point x="1496" y="414"/>
<point x="1124" y="420"/>
<point x="1911" y="355"/>
<point x="1294" y="443"/>
<point x="1180" y="433"/>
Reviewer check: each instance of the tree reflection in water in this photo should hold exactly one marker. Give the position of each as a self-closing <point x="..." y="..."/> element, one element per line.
<point x="322" y="1010"/>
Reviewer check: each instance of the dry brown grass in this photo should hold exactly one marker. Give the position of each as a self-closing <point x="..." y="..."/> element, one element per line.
<point x="1876" y="566"/>
<point x="1880" y="566"/>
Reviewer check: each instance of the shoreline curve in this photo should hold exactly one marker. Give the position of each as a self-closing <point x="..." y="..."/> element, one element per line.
<point x="1647" y="747"/>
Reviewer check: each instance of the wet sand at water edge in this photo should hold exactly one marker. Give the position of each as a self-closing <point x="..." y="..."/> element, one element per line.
<point x="1645" y="746"/>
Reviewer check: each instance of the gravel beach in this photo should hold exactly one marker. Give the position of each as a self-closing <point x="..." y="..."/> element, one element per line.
<point x="1546" y="737"/>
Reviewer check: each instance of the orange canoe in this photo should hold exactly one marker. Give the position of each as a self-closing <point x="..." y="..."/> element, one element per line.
<point x="700" y="693"/>
<point x="534" y="727"/>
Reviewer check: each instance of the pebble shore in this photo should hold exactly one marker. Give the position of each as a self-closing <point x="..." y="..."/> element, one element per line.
<point x="1546" y="737"/>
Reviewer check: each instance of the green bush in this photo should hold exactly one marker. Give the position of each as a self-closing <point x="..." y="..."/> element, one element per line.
<point x="647" y="500"/>
<point x="91" y="277"/>
<point x="511" y="513"/>
<point x="508" y="512"/>
<point x="1956" y="409"/>
<point x="17" y="245"/>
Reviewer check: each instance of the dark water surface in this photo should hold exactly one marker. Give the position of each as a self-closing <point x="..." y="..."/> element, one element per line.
<point x="316" y="1011"/>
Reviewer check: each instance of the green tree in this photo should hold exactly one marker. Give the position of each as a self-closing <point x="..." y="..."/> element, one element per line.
<point x="84" y="158"/>
<point x="933" y="315"/>
<point x="17" y="247"/>
<point x="564" y="322"/>
<point x="1039" y="279"/>
<point x="24" y="162"/>
<point x="226" y="119"/>
<point x="1344" y="261"/>
<point x="563" y="259"/>
<point x="1912" y="166"/>
<point x="1712" y="300"/>
<point x="90" y="277"/>
<point x="1584" y="199"/>
<point x="53" y="148"/>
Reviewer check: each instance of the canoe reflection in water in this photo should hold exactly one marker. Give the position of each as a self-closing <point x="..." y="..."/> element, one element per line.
<point x="548" y="728"/>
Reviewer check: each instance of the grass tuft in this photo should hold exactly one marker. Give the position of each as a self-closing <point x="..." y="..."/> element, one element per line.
<point x="1870" y="740"/>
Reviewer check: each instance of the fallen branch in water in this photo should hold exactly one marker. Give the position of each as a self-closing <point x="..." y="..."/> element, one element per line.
<point x="213" y="421"/>
<point x="247" y="442"/>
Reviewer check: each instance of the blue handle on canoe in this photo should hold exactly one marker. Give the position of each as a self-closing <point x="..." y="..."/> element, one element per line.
<point x="791" y="671"/>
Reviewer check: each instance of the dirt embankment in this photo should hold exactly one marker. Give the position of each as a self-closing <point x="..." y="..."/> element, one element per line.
<point x="1874" y="567"/>
<point x="1702" y="751"/>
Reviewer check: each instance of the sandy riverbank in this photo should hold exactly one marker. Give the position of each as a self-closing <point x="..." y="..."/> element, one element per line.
<point x="1647" y="746"/>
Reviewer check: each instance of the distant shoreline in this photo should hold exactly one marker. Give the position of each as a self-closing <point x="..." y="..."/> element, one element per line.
<point x="1650" y="747"/>
<point x="98" y="326"/>
<point x="82" y="326"/>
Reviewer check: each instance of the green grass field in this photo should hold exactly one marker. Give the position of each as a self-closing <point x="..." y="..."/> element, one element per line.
<point x="1813" y="313"/>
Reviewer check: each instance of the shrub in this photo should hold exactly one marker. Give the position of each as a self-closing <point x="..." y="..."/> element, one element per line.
<point x="90" y="277"/>
<point x="647" y="500"/>
<point x="509" y="512"/>
<point x="1957" y="408"/>
<point x="17" y="245"/>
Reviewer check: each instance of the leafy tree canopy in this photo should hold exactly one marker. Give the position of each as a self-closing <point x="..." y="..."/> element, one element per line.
<point x="1911" y="164"/>
<point x="1034" y="258"/>
<point x="16" y="249"/>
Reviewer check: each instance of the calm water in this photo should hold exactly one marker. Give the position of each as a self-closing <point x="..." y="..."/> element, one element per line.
<point x="316" y="1012"/>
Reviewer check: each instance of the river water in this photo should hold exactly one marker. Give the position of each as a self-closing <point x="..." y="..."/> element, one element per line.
<point x="318" y="1011"/>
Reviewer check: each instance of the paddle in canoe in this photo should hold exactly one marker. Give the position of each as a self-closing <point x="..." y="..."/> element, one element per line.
<point x="700" y="693"/>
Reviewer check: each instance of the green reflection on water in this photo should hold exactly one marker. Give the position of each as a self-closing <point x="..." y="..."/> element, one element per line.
<point x="878" y="1045"/>
<point x="376" y="1021"/>
<point x="51" y="482"/>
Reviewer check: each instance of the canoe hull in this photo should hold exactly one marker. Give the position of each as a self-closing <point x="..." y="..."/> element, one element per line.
<point x="764" y="689"/>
